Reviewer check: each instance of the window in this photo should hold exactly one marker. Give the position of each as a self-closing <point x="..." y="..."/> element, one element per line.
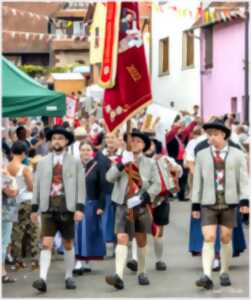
<point x="209" y="47"/>
<point x="78" y="28"/>
<point x="234" y="105"/>
<point x="164" y="56"/>
<point x="96" y="37"/>
<point x="188" y="50"/>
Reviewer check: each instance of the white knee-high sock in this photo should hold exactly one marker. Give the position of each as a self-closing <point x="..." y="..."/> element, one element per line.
<point x="207" y="258"/>
<point x="134" y="249"/>
<point x="141" y="260"/>
<point x="158" y="244"/>
<point x="226" y="255"/>
<point x="45" y="261"/>
<point x="69" y="259"/>
<point x="120" y="259"/>
<point x="78" y="265"/>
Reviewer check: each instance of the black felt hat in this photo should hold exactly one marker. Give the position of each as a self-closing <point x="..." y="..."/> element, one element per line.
<point x="60" y="130"/>
<point x="142" y="136"/>
<point x="218" y="124"/>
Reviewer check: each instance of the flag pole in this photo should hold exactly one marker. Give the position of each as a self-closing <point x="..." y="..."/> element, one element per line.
<point x="130" y="180"/>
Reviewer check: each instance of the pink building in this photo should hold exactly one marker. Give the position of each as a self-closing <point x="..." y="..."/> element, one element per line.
<point x="223" y="53"/>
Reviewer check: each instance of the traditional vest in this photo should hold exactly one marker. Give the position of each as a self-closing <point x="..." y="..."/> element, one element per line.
<point x="219" y="166"/>
<point x="57" y="193"/>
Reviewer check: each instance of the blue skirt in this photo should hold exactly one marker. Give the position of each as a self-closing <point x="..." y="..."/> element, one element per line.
<point x="196" y="238"/>
<point x="89" y="241"/>
<point x="108" y="219"/>
<point x="239" y="243"/>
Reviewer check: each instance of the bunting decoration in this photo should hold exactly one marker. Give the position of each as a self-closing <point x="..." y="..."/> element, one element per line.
<point x="42" y="36"/>
<point x="17" y="12"/>
<point x="208" y="14"/>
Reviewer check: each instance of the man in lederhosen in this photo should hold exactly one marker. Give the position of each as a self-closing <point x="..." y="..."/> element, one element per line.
<point x="169" y="172"/>
<point x="220" y="183"/>
<point x="59" y="194"/>
<point x="133" y="190"/>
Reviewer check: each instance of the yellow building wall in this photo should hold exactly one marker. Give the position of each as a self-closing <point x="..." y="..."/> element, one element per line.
<point x="96" y="53"/>
<point x="69" y="86"/>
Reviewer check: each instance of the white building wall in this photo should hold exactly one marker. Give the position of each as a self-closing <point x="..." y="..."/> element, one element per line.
<point x="180" y="86"/>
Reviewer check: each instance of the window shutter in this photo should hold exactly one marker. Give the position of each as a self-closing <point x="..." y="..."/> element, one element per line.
<point x="209" y="47"/>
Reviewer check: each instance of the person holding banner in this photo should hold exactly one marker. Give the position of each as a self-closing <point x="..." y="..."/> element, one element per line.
<point x="136" y="184"/>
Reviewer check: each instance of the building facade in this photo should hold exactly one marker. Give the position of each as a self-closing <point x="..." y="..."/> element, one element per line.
<point x="223" y="71"/>
<point x="175" y="56"/>
<point x="70" y="45"/>
<point x="25" y="31"/>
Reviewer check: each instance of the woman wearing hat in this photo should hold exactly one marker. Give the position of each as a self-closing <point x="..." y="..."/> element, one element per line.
<point x="59" y="195"/>
<point x="134" y="187"/>
<point x="220" y="184"/>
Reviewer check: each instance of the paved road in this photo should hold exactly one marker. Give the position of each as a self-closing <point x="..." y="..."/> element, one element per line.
<point x="177" y="281"/>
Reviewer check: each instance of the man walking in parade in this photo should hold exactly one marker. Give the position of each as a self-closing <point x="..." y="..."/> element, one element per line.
<point x="59" y="194"/>
<point x="136" y="184"/>
<point x="220" y="183"/>
<point x="169" y="172"/>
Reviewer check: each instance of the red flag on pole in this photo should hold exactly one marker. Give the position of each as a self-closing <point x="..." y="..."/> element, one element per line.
<point x="132" y="90"/>
<point x="110" y="52"/>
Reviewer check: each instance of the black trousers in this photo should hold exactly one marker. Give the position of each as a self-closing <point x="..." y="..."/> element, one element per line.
<point x="182" y="181"/>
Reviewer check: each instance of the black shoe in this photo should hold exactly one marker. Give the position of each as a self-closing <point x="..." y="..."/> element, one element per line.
<point x="40" y="285"/>
<point x="132" y="265"/>
<point x="78" y="272"/>
<point x="87" y="270"/>
<point x="70" y="284"/>
<point x="143" y="280"/>
<point x="160" y="266"/>
<point x="225" y="280"/>
<point x="115" y="281"/>
<point x="205" y="282"/>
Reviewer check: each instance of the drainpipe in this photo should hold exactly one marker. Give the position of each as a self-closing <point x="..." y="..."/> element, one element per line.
<point x="201" y="66"/>
<point x="246" y="109"/>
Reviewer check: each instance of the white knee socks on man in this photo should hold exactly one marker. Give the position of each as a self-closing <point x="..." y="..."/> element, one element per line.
<point x="120" y="260"/>
<point x="225" y="254"/>
<point x="134" y="249"/>
<point x="69" y="259"/>
<point x="207" y="258"/>
<point x="141" y="259"/>
<point x="45" y="261"/>
<point x="158" y="248"/>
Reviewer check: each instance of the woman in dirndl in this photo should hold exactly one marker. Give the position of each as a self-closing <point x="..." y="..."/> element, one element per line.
<point x="89" y="240"/>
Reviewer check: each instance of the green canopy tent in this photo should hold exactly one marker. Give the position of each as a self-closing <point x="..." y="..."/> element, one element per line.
<point x="23" y="96"/>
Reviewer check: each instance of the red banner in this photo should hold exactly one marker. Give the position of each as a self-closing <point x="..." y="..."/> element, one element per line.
<point x="110" y="52"/>
<point x="132" y="89"/>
